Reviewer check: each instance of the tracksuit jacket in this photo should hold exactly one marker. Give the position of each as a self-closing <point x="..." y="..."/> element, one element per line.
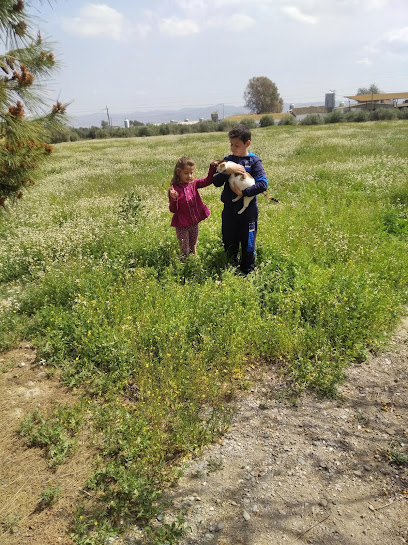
<point x="241" y="229"/>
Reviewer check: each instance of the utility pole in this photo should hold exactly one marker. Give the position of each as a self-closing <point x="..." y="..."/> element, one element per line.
<point x="109" y="121"/>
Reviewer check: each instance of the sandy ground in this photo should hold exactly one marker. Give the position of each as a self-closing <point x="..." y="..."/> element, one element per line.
<point x="311" y="471"/>
<point x="318" y="472"/>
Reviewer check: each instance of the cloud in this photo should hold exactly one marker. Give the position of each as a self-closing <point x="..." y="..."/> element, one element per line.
<point x="96" y="20"/>
<point x="142" y="30"/>
<point x="366" y="61"/>
<point x="192" y="6"/>
<point x="237" y="22"/>
<point x="173" y="26"/>
<point x="294" y="13"/>
<point x="395" y="41"/>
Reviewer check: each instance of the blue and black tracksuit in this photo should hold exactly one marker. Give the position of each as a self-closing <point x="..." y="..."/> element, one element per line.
<point x="241" y="229"/>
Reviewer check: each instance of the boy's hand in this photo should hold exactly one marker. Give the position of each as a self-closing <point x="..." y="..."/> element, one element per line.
<point x="173" y="193"/>
<point x="235" y="168"/>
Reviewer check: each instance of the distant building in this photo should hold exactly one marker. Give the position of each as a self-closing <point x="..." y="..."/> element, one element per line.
<point x="301" y="113"/>
<point x="330" y="102"/>
<point x="127" y="123"/>
<point x="372" y="101"/>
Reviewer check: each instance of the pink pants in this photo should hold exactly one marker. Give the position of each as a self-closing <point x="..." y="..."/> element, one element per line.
<point x="187" y="237"/>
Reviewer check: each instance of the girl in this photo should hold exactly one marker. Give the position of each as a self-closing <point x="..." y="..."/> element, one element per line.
<point x="186" y="204"/>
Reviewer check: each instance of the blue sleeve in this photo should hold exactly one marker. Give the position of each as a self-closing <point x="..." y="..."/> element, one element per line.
<point x="261" y="181"/>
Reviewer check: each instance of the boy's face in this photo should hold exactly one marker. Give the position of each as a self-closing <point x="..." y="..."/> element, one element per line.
<point x="238" y="147"/>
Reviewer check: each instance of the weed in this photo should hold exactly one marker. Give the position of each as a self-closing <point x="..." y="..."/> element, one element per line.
<point x="131" y="207"/>
<point x="55" y="433"/>
<point x="11" y="524"/>
<point x="398" y="458"/>
<point x="214" y="464"/>
<point x="50" y="496"/>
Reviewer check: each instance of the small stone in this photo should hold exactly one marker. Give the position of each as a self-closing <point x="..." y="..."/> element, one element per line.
<point x="22" y="364"/>
<point x="367" y="468"/>
<point x="323" y="502"/>
<point x="220" y="526"/>
<point x="246" y="515"/>
<point x="255" y="508"/>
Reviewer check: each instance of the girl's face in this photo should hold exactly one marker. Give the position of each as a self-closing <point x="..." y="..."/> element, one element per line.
<point x="186" y="175"/>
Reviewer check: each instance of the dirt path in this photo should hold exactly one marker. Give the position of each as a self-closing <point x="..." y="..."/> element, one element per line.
<point x="315" y="473"/>
<point x="318" y="472"/>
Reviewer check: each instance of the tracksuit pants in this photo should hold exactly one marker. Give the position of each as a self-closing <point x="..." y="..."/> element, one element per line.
<point x="239" y="230"/>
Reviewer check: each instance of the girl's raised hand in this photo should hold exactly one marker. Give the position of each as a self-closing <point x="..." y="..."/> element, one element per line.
<point x="173" y="193"/>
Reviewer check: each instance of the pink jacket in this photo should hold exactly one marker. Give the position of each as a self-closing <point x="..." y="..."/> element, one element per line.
<point x="189" y="208"/>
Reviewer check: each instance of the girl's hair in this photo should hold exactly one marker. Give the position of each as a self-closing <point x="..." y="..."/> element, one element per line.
<point x="180" y="165"/>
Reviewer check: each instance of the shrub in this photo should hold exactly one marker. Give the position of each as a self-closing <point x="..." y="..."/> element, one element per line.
<point x="402" y="113"/>
<point x="383" y="114"/>
<point x="225" y="125"/>
<point x="334" y="117"/>
<point x="361" y="116"/>
<point x="312" y="119"/>
<point x="250" y="123"/>
<point x="266" y="121"/>
<point x="287" y="120"/>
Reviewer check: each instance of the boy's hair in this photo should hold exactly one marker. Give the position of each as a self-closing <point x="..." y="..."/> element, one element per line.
<point x="180" y="165"/>
<point x="240" y="131"/>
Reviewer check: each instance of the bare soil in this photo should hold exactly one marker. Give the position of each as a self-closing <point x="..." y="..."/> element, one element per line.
<point x="26" y="384"/>
<point x="314" y="471"/>
<point x="289" y="471"/>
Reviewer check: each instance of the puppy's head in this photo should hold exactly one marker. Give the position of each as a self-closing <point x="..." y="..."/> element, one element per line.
<point x="222" y="167"/>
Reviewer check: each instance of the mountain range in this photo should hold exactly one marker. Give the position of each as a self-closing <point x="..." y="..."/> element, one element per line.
<point x="165" y="116"/>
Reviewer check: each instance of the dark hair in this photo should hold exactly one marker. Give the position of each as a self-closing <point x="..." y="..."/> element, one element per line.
<point x="180" y="165"/>
<point x="240" y="131"/>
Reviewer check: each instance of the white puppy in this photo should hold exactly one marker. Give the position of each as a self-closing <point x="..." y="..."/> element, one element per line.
<point x="242" y="181"/>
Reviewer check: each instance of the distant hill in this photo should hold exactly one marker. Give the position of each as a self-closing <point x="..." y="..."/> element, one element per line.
<point x="165" y="116"/>
<point x="158" y="116"/>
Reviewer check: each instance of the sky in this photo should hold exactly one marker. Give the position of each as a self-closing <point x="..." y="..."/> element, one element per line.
<point x="131" y="55"/>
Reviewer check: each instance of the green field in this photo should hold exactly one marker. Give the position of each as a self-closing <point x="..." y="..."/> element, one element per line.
<point x="155" y="347"/>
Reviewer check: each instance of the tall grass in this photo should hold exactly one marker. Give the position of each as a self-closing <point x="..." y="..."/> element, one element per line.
<point x="90" y="273"/>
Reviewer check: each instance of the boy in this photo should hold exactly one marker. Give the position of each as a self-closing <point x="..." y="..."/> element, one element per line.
<point x="240" y="229"/>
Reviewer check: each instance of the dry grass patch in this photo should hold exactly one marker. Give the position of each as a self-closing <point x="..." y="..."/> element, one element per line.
<point x="26" y="478"/>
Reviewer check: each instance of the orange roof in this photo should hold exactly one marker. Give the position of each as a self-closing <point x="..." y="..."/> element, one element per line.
<point x="377" y="96"/>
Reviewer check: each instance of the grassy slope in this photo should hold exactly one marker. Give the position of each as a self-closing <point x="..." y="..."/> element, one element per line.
<point x="157" y="346"/>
